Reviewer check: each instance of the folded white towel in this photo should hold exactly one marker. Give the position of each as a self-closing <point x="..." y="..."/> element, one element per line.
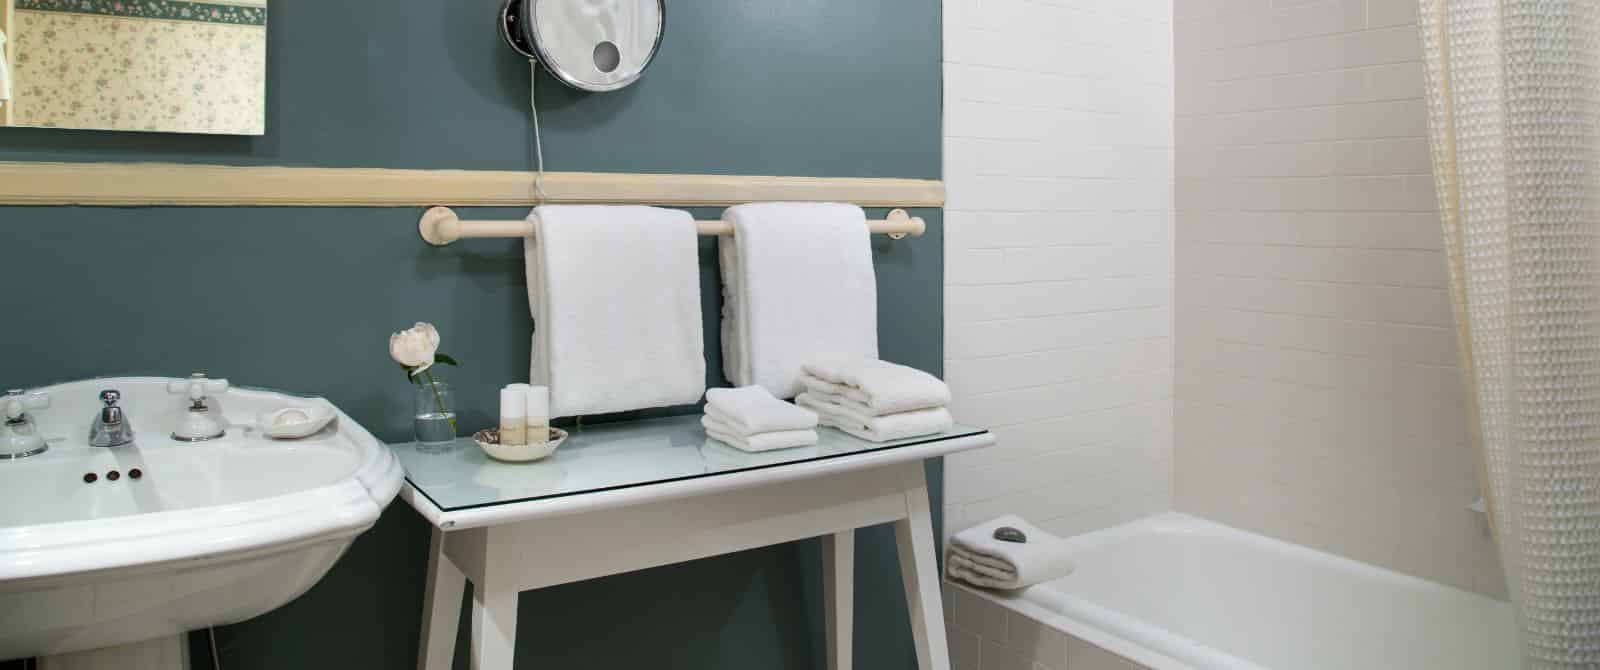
<point x="749" y="410"/>
<point x="798" y="285"/>
<point x="876" y="387"/>
<point x="781" y="439"/>
<point x="615" y="294"/>
<point x="977" y="558"/>
<point x="886" y="428"/>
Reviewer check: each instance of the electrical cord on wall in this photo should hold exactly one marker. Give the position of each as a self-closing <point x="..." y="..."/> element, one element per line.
<point x="538" y="147"/>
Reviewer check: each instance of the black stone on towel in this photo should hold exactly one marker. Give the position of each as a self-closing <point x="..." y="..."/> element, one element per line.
<point x="1009" y="534"/>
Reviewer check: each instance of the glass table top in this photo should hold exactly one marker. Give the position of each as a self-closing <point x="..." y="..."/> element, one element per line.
<point x="613" y="456"/>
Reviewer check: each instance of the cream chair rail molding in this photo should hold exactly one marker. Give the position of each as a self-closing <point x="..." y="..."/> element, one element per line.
<point x="166" y="184"/>
<point x="440" y="226"/>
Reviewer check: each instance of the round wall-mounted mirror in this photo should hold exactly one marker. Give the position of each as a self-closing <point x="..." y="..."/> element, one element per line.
<point x="592" y="45"/>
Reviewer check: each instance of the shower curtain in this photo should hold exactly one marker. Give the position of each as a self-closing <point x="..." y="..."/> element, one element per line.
<point x="1513" y="92"/>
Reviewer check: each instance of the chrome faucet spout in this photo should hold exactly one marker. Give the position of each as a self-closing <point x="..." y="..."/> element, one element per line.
<point x="110" y="427"/>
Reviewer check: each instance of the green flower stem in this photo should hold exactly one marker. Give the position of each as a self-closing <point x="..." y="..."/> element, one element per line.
<point x="440" y="399"/>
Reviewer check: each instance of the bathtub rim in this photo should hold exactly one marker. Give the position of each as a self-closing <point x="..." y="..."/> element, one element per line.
<point x="1129" y="646"/>
<point x="1110" y="642"/>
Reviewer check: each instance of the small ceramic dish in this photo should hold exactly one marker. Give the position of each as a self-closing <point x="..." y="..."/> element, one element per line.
<point x="488" y="440"/>
<point x="293" y="423"/>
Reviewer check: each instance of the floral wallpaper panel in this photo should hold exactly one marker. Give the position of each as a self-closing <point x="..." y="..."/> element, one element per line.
<point x="141" y="65"/>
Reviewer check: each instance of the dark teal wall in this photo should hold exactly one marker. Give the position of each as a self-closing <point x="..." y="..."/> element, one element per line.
<point x="793" y="87"/>
<point x="304" y="298"/>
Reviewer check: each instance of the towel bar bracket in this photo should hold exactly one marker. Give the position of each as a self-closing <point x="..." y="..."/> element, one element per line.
<point x="903" y="224"/>
<point x="440" y="226"/>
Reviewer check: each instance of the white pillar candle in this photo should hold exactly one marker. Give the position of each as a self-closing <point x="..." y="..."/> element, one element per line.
<point x="538" y="415"/>
<point x="513" y="416"/>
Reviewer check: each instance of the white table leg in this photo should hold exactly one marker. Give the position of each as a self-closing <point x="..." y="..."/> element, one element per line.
<point x="838" y="596"/>
<point x="920" y="573"/>
<point x="441" y="608"/>
<point x="494" y="610"/>
<point x="494" y="629"/>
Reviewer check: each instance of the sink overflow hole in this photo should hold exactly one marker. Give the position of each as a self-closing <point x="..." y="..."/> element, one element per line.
<point x="113" y="475"/>
<point x="90" y="477"/>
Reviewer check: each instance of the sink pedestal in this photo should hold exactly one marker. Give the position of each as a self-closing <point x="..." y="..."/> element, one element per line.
<point x="162" y="653"/>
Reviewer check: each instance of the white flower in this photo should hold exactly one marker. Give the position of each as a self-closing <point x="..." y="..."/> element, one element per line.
<point x="414" y="347"/>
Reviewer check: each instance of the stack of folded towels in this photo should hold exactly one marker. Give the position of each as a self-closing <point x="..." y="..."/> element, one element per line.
<point x="1006" y="553"/>
<point x="752" y="419"/>
<point x="875" y="400"/>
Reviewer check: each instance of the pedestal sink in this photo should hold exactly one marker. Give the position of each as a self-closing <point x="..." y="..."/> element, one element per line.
<point x="94" y="555"/>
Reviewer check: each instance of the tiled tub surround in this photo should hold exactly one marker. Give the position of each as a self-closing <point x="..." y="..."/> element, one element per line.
<point x="148" y="65"/>
<point x="1058" y="160"/>
<point x="1318" y="396"/>
<point x="1173" y="591"/>
<point x="992" y="634"/>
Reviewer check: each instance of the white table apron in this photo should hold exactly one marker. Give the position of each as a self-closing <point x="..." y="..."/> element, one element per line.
<point x="684" y="521"/>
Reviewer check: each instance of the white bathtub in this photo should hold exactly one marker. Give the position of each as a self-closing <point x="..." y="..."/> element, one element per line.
<point x="1173" y="591"/>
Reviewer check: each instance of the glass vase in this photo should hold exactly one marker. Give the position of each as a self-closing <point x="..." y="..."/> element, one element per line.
<point x="434" y="423"/>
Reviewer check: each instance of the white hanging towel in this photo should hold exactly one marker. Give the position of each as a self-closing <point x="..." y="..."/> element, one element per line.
<point x="976" y="557"/>
<point x="615" y="295"/>
<point x="798" y="286"/>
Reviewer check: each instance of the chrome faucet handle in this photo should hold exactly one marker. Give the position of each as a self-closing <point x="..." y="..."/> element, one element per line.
<point x="199" y="423"/>
<point x="16" y="403"/>
<point x="19" y="437"/>
<point x="197" y="387"/>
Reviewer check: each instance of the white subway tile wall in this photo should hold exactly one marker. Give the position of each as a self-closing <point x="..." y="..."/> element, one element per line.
<point x="1318" y="395"/>
<point x="1059" y="164"/>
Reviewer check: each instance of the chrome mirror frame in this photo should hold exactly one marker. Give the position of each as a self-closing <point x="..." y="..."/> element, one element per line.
<point x="518" y="28"/>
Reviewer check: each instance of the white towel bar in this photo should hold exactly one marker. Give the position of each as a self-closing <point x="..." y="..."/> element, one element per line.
<point x="440" y="226"/>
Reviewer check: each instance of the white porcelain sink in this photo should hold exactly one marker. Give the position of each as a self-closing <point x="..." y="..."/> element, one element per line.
<point x="210" y="533"/>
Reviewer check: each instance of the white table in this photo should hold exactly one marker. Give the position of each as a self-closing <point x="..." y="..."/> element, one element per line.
<point x="628" y="496"/>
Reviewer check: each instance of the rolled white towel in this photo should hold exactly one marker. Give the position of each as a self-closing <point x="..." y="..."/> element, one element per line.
<point x="887" y="428"/>
<point x="782" y="439"/>
<point x="751" y="410"/>
<point x="977" y="558"/>
<point x="879" y="386"/>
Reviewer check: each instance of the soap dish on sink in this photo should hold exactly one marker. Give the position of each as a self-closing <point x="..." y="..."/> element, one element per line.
<point x="293" y="423"/>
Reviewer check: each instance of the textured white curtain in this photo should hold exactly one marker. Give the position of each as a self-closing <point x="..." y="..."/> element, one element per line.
<point x="1514" y="108"/>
